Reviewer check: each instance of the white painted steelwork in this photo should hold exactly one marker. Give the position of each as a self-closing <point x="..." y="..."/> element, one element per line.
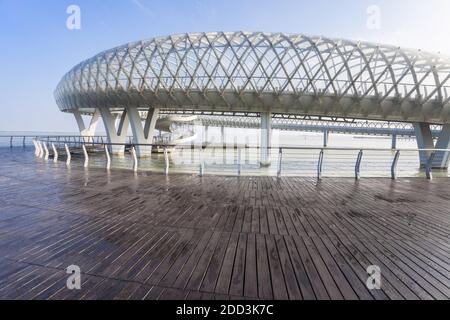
<point x="263" y="74"/>
<point x="254" y="71"/>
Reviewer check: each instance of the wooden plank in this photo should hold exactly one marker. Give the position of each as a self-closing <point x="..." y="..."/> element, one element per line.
<point x="276" y="272"/>
<point x="237" y="279"/>
<point x="264" y="282"/>
<point x="199" y="272"/>
<point x="288" y="270"/>
<point x="301" y="275"/>
<point x="251" y="278"/>
<point x="149" y="237"/>
<point x="185" y="274"/>
<point x="212" y="273"/>
<point x="224" y="279"/>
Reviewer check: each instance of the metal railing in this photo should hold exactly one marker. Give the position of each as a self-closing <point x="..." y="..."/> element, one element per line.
<point x="23" y="139"/>
<point x="42" y="147"/>
<point x="68" y="139"/>
<point x="60" y="138"/>
<point x="42" y="150"/>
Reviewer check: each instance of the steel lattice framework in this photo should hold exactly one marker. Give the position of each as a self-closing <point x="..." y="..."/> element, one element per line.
<point x="260" y="72"/>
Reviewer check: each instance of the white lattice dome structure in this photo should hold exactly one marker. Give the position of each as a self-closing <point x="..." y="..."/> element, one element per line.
<point x="283" y="73"/>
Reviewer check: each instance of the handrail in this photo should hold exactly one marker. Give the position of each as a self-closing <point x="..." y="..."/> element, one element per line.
<point x="428" y="167"/>
<point x="394" y="165"/>
<point x="280" y="160"/>
<point x="42" y="151"/>
<point x="358" y="165"/>
<point x="210" y="146"/>
<point x="114" y="144"/>
<point x="69" y="157"/>
<point x="108" y="158"/>
<point x="55" y="138"/>
<point x="319" y="165"/>
<point x="47" y="139"/>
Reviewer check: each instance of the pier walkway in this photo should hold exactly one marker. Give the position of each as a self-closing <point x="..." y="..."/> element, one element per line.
<point x="148" y="236"/>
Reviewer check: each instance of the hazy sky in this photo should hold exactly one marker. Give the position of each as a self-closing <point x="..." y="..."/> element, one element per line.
<point x="37" y="48"/>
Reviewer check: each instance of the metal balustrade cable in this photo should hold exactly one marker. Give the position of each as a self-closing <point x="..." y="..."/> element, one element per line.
<point x="240" y="160"/>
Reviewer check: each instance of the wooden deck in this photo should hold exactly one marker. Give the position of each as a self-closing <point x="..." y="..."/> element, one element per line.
<point x="146" y="236"/>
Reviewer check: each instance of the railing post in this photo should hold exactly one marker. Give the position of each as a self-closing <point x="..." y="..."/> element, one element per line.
<point x="45" y="150"/>
<point x="86" y="156"/>
<point x="358" y="165"/>
<point x="394" y="165"/>
<point x="11" y="142"/>
<point x="108" y="158"/>
<point x="135" y="161"/>
<point x="35" y="148"/>
<point x="69" y="156"/>
<point x="429" y="167"/>
<point x="166" y="161"/>
<point x="55" y="153"/>
<point x="280" y="160"/>
<point x="41" y="151"/>
<point x="23" y="142"/>
<point x="202" y="164"/>
<point x="247" y="150"/>
<point x="319" y="165"/>
<point x="239" y="162"/>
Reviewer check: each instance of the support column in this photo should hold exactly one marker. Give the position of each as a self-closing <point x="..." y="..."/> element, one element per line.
<point x="266" y="135"/>
<point x="222" y="135"/>
<point x="394" y="142"/>
<point x="115" y="134"/>
<point x="442" y="159"/>
<point x="206" y="134"/>
<point x="88" y="131"/>
<point x="424" y="140"/>
<point x="326" y="135"/>
<point x="143" y="135"/>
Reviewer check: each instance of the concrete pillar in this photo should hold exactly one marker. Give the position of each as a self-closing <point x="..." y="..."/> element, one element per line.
<point x="424" y="140"/>
<point x="115" y="134"/>
<point x="87" y="131"/>
<point x="266" y="135"/>
<point x="143" y="134"/>
<point x="394" y="142"/>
